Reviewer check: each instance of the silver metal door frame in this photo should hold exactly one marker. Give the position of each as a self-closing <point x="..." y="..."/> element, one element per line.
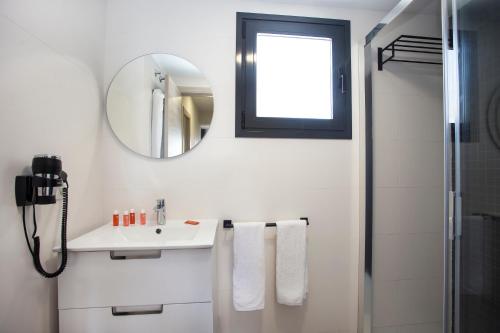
<point x="453" y="228"/>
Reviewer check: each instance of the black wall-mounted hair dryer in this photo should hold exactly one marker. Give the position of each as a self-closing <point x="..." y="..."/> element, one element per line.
<point x="38" y="189"/>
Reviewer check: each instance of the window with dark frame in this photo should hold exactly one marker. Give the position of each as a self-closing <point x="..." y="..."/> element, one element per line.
<point x="293" y="77"/>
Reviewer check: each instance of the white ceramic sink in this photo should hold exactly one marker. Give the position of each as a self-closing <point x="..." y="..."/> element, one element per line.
<point x="175" y="234"/>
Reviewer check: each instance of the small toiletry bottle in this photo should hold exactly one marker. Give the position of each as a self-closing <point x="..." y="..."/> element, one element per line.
<point x="126" y="218"/>
<point x="132" y="216"/>
<point x="116" y="219"/>
<point x="143" y="217"/>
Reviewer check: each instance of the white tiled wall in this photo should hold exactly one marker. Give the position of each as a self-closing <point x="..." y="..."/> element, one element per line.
<point x="240" y="178"/>
<point x="408" y="189"/>
<point x="52" y="88"/>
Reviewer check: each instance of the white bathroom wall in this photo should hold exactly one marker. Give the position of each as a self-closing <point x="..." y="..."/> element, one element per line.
<point x="244" y="179"/>
<point x="50" y="65"/>
<point x="130" y="104"/>
<point x="195" y="129"/>
<point x="408" y="186"/>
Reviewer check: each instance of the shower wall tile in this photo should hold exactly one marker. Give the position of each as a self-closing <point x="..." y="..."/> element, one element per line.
<point x="386" y="310"/>
<point x="408" y="163"/>
<point x="408" y="189"/>
<point x="389" y="202"/>
<point x="407" y="256"/>
<point x="408" y="210"/>
<point x="421" y="209"/>
<point x="409" y="79"/>
<point x="386" y="253"/>
<point x="418" y="328"/>
<point x="407" y="302"/>
<point x="421" y="328"/>
<point x="421" y="256"/>
<point x="408" y="117"/>
<point x="421" y="163"/>
<point x="423" y="122"/>
<point x="386" y="164"/>
<point x="387" y="122"/>
<point x="420" y="300"/>
<point x="386" y="329"/>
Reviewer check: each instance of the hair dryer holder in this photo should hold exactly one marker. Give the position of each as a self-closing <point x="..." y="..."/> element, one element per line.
<point x="38" y="189"/>
<point x="26" y="189"/>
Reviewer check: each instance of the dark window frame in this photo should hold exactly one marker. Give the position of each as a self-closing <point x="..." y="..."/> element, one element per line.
<point x="247" y="124"/>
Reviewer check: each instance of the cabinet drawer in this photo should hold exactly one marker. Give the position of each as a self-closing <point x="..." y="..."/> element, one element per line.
<point x="174" y="318"/>
<point x="95" y="279"/>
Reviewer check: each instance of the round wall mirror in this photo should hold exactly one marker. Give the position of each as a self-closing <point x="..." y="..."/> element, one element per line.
<point x="159" y="105"/>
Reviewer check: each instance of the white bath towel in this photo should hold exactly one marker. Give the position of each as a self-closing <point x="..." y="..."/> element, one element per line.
<point x="249" y="277"/>
<point x="291" y="262"/>
<point x="157" y="119"/>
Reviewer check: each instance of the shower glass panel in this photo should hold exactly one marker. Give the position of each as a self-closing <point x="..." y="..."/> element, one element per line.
<point x="475" y="250"/>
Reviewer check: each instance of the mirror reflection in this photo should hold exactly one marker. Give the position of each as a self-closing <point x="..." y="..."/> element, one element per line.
<point x="160" y="105"/>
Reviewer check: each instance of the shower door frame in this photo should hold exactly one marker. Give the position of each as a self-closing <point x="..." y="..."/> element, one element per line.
<point x="452" y="190"/>
<point x="365" y="308"/>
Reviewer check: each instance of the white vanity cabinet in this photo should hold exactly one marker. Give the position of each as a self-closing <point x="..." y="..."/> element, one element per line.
<point x="134" y="288"/>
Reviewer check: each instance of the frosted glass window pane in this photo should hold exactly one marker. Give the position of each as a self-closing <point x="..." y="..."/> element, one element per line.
<point x="294" y="76"/>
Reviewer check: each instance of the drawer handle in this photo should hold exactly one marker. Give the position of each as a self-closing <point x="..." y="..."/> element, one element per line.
<point x="126" y="255"/>
<point x="136" y="310"/>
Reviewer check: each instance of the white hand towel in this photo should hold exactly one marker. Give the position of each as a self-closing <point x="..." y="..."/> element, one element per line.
<point x="291" y="262"/>
<point x="249" y="277"/>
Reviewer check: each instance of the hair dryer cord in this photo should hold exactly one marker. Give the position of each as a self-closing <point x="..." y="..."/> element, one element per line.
<point x="35" y="251"/>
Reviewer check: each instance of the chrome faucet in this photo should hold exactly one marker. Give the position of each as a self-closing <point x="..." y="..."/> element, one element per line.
<point x="161" y="212"/>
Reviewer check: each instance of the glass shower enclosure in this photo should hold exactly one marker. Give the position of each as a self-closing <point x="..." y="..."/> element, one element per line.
<point x="431" y="254"/>
<point x="472" y="57"/>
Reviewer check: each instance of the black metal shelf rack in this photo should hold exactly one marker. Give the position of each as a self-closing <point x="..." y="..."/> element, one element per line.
<point x="409" y="44"/>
